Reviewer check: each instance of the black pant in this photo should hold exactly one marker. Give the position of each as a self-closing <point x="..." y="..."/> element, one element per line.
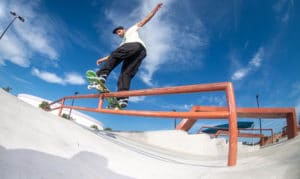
<point x="132" y="55"/>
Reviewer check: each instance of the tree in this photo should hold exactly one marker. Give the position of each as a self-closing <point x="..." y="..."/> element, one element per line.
<point x="108" y="129"/>
<point x="7" y="89"/>
<point x="45" y="105"/>
<point x="95" y="127"/>
<point x="66" y="116"/>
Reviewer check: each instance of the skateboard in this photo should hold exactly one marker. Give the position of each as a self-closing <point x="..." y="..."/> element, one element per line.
<point x="95" y="83"/>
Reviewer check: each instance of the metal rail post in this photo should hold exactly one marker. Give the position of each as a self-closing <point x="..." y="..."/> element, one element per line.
<point x="233" y="132"/>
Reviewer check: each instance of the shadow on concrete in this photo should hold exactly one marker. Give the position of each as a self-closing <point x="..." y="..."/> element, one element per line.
<point x="25" y="163"/>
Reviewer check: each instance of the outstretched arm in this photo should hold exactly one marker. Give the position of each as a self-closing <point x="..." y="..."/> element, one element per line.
<point x="150" y="15"/>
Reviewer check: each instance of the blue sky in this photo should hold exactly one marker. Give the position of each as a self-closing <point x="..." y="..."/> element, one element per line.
<point x="253" y="44"/>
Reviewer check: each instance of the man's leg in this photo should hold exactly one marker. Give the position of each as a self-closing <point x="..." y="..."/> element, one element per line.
<point x="113" y="60"/>
<point x="105" y="70"/>
<point x="116" y="57"/>
<point x="128" y="71"/>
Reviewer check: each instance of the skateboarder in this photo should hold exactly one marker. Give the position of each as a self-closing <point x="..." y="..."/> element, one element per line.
<point x="131" y="51"/>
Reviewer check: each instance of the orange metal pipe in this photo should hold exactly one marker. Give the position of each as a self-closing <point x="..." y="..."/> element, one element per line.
<point x="292" y="129"/>
<point x="233" y="132"/>
<point x="186" y="124"/>
<point x="61" y="107"/>
<point x="157" y="91"/>
<point x="251" y="112"/>
<point x="264" y="112"/>
<point x="210" y="108"/>
<point x="100" y="104"/>
<point x="240" y="134"/>
<point x="230" y="113"/>
<point x="171" y="90"/>
<point x="157" y="114"/>
<point x="84" y="96"/>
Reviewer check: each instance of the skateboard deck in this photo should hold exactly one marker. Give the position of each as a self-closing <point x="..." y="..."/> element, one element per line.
<point x="95" y="83"/>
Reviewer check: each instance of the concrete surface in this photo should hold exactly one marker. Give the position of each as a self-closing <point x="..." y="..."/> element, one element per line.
<point x="181" y="141"/>
<point x="36" y="144"/>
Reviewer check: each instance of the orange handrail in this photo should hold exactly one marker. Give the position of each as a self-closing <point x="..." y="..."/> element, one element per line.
<point x="229" y="112"/>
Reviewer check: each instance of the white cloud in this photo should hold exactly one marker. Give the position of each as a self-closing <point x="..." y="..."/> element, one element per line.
<point x="177" y="107"/>
<point x="74" y="79"/>
<point x="283" y="10"/>
<point x="256" y="60"/>
<point x="37" y="40"/>
<point x="239" y="74"/>
<point x="2" y="11"/>
<point x="187" y="107"/>
<point x="22" y="80"/>
<point x="13" y="50"/>
<point x="167" y="40"/>
<point x="213" y="99"/>
<point x="70" y="78"/>
<point x="253" y="65"/>
<point x="136" y="99"/>
<point x="46" y="76"/>
<point x="23" y="40"/>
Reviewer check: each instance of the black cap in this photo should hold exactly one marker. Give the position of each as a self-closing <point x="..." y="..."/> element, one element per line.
<point x="117" y="28"/>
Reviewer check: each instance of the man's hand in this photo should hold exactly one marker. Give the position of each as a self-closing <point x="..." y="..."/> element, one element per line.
<point x="150" y="15"/>
<point x="100" y="60"/>
<point x="158" y="6"/>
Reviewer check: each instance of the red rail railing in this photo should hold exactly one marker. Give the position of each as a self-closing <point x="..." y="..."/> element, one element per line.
<point x="289" y="114"/>
<point x="228" y="112"/>
<point x="231" y="112"/>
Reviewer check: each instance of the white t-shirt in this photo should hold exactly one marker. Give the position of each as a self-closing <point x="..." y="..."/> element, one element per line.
<point x="132" y="35"/>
